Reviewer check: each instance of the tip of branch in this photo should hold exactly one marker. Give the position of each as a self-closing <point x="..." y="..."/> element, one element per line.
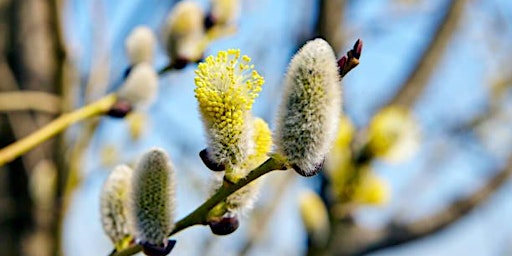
<point x="351" y="59"/>
<point x="357" y="49"/>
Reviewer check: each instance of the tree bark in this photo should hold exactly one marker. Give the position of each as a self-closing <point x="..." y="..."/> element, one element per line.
<point x="29" y="61"/>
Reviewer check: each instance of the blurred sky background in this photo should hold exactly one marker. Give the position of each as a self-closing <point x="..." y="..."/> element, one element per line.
<point x="394" y="34"/>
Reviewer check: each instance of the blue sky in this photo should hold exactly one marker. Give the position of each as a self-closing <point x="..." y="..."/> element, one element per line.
<point x="393" y="32"/>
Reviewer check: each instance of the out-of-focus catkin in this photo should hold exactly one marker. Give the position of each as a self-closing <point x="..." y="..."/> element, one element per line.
<point x="184" y="31"/>
<point x="141" y="86"/>
<point x="314" y="216"/>
<point x="393" y="134"/>
<point x="113" y="205"/>
<point x="140" y="45"/>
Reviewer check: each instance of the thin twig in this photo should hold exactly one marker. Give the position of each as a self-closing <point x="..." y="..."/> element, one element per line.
<point x="29" y="100"/>
<point x="330" y="22"/>
<point x="396" y="234"/>
<point x="198" y="216"/>
<point x="416" y="82"/>
<point x="21" y="123"/>
<point x="261" y="221"/>
<point x="53" y="128"/>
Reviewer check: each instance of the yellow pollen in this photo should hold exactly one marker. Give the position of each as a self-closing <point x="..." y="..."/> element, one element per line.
<point x="226" y="86"/>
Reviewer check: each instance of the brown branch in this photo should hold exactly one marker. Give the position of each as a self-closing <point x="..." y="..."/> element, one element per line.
<point x="29" y="100"/>
<point x="416" y="82"/>
<point x="261" y="221"/>
<point x="22" y="124"/>
<point x="330" y="22"/>
<point x="397" y="233"/>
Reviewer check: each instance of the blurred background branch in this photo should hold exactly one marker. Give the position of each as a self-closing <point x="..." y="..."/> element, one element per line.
<point x="57" y="55"/>
<point x="428" y="61"/>
<point x="400" y="233"/>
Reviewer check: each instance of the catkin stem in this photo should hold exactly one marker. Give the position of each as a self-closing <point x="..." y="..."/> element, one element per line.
<point x="20" y="147"/>
<point x="198" y="216"/>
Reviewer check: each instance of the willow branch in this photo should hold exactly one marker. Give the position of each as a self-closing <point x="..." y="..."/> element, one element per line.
<point x="397" y="234"/>
<point x="330" y="22"/>
<point x="29" y="100"/>
<point x="261" y="221"/>
<point x="198" y="216"/>
<point x="416" y="82"/>
<point x="53" y="128"/>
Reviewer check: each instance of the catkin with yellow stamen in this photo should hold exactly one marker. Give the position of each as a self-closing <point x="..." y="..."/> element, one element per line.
<point x="314" y="216"/>
<point x="113" y="205"/>
<point x="393" y="134"/>
<point x="244" y="199"/>
<point x="307" y="120"/>
<point x="372" y="190"/>
<point x="339" y="163"/>
<point x="152" y="198"/>
<point x="226" y="86"/>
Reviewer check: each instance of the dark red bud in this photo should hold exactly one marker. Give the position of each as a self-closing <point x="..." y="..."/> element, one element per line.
<point x="342" y="62"/>
<point x="224" y="226"/>
<point x="210" y="163"/>
<point x="180" y="63"/>
<point x="158" y="250"/>
<point x="357" y="49"/>
<point x="209" y="21"/>
<point x="120" y="109"/>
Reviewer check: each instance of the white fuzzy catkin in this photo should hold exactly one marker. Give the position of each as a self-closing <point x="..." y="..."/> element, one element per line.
<point x="152" y="202"/>
<point x="225" y="12"/>
<point x="141" y="85"/>
<point x="184" y="30"/>
<point x="307" y="120"/>
<point x="140" y="45"/>
<point x="113" y="203"/>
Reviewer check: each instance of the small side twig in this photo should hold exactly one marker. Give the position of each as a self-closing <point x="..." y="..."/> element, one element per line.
<point x="264" y="218"/>
<point x="29" y="100"/>
<point x="330" y="22"/>
<point x="351" y="59"/>
<point x="53" y="128"/>
<point x="397" y="233"/>
<point x="417" y="80"/>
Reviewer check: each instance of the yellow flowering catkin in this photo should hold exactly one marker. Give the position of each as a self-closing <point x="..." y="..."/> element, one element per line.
<point x="307" y="120"/>
<point x="226" y="86"/>
<point x="113" y="203"/>
<point x="314" y="216"/>
<point x="223" y="219"/>
<point x="152" y="198"/>
<point x="393" y="134"/>
<point x="339" y="162"/>
<point x="372" y="190"/>
<point x="244" y="198"/>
